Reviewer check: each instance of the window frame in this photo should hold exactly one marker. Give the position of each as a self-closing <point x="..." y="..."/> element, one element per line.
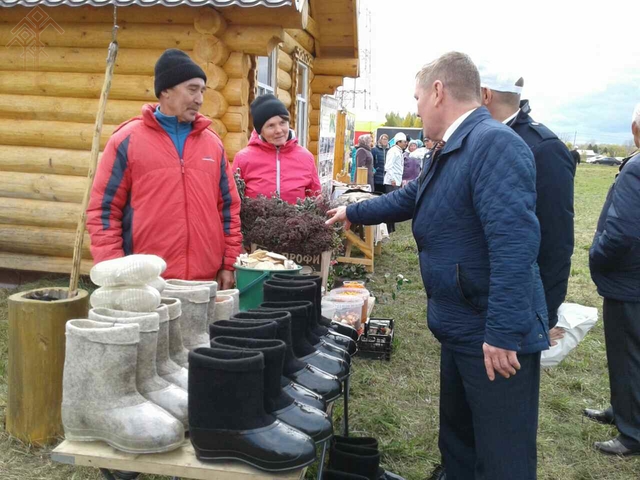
<point x="302" y="101"/>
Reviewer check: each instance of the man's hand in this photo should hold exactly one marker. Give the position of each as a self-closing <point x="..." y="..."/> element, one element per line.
<point x="226" y="280"/>
<point x="393" y="183"/>
<point x="505" y="362"/>
<point x="339" y="215"/>
<point x="555" y="334"/>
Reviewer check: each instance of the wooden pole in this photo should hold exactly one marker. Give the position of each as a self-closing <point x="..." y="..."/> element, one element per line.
<point x="36" y="361"/>
<point x="93" y="162"/>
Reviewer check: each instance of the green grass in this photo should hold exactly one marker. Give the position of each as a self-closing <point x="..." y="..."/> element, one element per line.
<point x="397" y="401"/>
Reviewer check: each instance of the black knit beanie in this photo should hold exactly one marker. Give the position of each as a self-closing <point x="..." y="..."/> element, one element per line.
<point x="174" y="67"/>
<point x="265" y="107"/>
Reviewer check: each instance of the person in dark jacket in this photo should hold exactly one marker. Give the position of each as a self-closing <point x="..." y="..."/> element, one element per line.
<point x="474" y="222"/>
<point x="364" y="158"/>
<point x="614" y="261"/>
<point x="411" y="169"/>
<point x="379" y="156"/>
<point x="555" y="172"/>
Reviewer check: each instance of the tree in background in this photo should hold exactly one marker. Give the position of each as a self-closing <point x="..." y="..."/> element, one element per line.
<point x="395" y="120"/>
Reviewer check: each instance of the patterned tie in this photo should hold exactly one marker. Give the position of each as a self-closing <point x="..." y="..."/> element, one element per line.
<point x="432" y="156"/>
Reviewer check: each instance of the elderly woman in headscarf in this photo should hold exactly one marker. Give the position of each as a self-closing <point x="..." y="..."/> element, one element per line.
<point x="364" y="157"/>
<point x="411" y="164"/>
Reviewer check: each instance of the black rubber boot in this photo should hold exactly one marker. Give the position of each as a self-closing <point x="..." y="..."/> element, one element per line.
<point x="281" y="290"/>
<point x="322" y="323"/>
<point x="309" y="420"/>
<point x="301" y="346"/>
<point x="335" y="475"/>
<point x="227" y="419"/>
<point x="229" y="328"/>
<point x="356" y="460"/>
<point x="367" y="442"/>
<point x="298" y="377"/>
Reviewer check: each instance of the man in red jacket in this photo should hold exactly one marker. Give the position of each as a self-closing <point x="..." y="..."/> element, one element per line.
<point x="164" y="185"/>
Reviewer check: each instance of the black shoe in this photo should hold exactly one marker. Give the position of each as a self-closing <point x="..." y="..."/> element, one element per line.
<point x="366" y="442"/>
<point x="615" y="447"/>
<point x="335" y="475"/>
<point x="438" y="473"/>
<point x="227" y="417"/>
<point x="303" y="394"/>
<point x="601" y="416"/>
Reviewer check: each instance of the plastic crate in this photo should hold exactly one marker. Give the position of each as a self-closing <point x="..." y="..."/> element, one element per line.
<point x="374" y="344"/>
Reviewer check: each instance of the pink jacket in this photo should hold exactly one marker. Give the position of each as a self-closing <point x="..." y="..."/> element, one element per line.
<point x="290" y="169"/>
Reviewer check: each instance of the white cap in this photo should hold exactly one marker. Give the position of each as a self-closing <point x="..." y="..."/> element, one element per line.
<point x="400" y="137"/>
<point x="499" y="80"/>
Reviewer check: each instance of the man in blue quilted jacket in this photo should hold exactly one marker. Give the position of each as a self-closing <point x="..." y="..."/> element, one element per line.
<point x="474" y="222"/>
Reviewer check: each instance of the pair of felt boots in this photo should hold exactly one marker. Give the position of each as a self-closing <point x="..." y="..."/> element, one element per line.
<point x="356" y="458"/>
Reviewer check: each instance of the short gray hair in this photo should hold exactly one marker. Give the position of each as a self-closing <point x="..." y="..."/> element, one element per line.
<point x="636" y="115"/>
<point x="364" y="140"/>
<point x="457" y="73"/>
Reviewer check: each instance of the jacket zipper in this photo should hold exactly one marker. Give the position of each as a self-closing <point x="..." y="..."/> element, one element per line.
<point x="278" y="170"/>
<point x="184" y="192"/>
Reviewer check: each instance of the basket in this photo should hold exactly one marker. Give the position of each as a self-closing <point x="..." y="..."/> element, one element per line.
<point x="377" y="346"/>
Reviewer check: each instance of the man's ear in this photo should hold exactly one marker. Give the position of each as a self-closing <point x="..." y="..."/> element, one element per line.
<point x="438" y="88"/>
<point x="487" y="96"/>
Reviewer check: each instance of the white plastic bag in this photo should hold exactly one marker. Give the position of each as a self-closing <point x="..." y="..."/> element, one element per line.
<point x="576" y="320"/>
<point x="129" y="270"/>
<point x="131" y="299"/>
<point x="159" y="284"/>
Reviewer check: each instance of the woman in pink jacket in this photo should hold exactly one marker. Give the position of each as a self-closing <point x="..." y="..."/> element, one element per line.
<point x="273" y="162"/>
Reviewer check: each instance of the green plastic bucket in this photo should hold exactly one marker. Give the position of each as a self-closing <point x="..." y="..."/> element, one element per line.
<point x="249" y="281"/>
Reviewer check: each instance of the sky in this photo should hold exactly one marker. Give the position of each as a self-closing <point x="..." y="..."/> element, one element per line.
<point x="580" y="59"/>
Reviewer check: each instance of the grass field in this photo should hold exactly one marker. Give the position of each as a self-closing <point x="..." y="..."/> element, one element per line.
<point x="397" y="401"/>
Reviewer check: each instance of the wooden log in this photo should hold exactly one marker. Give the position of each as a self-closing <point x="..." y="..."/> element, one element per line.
<point x="345" y="67"/>
<point x="81" y="85"/>
<point x="57" y="242"/>
<point x="82" y="60"/>
<point x="51" y="161"/>
<point x="316" y="100"/>
<point x="313" y="147"/>
<point x="314" y="117"/>
<point x="253" y="40"/>
<point x="284" y="80"/>
<point x="289" y="44"/>
<point x="38" y="213"/>
<point x="285" y="16"/>
<point x="209" y="21"/>
<point x="41" y="263"/>
<point x="37" y="133"/>
<point x="219" y="127"/>
<point x="98" y="35"/>
<point x="217" y="78"/>
<point x="211" y="49"/>
<point x="214" y="105"/>
<point x="36" y="343"/>
<point x="285" y="62"/>
<point x="233" y="143"/>
<point x="82" y="110"/>
<point x="236" y="119"/>
<point x="314" y="30"/>
<point x="238" y="65"/>
<point x="236" y="92"/>
<point x="52" y="188"/>
<point x="131" y="14"/>
<point x="314" y="134"/>
<point x="303" y="38"/>
<point x="326" y="84"/>
<point x="285" y="97"/>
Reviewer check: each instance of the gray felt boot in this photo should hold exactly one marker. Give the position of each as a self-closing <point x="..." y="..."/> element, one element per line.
<point x="174" y="284"/>
<point x="152" y="387"/>
<point x="100" y="400"/>
<point x="177" y="352"/>
<point x="194" y="320"/>
<point x="167" y="368"/>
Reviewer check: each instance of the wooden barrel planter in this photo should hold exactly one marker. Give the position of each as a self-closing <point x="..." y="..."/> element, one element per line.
<point x="37" y="321"/>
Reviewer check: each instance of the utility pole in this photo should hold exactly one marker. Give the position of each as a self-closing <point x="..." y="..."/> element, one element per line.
<point x="575" y="134"/>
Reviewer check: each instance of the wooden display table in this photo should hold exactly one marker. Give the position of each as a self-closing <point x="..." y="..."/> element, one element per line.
<point x="366" y="246"/>
<point x="180" y="463"/>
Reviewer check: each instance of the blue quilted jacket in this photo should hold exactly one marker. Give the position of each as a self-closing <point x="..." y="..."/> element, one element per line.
<point x="474" y="222"/>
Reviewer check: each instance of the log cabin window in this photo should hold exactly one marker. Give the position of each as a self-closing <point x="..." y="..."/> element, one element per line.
<point x="267" y="73"/>
<point x="302" y="99"/>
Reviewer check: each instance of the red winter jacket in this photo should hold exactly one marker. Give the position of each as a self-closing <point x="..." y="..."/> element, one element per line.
<point x="145" y="199"/>
<point x="260" y="162"/>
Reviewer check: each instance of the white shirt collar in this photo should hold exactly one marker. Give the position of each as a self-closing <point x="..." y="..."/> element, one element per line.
<point x="452" y="128"/>
<point x="506" y="121"/>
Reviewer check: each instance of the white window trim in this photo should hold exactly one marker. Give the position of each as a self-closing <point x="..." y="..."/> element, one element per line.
<point x="304" y="101"/>
<point x="273" y="61"/>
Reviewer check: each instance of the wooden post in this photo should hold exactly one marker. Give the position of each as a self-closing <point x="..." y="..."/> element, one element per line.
<point x="36" y="361"/>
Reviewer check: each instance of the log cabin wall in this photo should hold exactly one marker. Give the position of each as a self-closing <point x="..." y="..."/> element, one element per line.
<point x="47" y="110"/>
